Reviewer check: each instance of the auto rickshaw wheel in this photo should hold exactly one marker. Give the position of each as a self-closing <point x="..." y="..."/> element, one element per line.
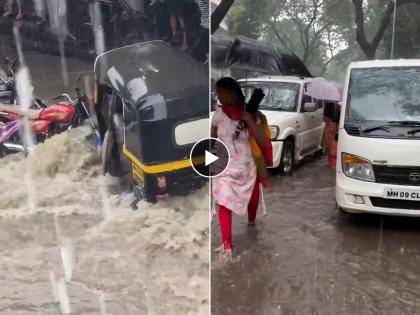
<point x="111" y="162"/>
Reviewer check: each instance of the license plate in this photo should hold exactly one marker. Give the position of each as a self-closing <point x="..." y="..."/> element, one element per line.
<point x="402" y="194"/>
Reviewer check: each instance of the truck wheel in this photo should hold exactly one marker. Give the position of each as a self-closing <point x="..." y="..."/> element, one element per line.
<point x="287" y="159"/>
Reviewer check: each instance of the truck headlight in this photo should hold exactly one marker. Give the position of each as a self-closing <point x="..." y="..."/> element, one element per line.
<point x="275" y="132"/>
<point x="357" y="167"/>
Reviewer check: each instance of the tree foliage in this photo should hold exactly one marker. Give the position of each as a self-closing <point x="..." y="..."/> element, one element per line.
<point x="328" y="34"/>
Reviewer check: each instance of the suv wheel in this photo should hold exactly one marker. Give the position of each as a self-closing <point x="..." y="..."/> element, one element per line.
<point x="287" y="159"/>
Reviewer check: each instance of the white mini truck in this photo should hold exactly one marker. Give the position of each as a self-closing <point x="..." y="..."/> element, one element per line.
<point x="295" y="119"/>
<point x="378" y="158"/>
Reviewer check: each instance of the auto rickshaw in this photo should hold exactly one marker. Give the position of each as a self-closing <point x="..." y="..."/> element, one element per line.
<point x="152" y="107"/>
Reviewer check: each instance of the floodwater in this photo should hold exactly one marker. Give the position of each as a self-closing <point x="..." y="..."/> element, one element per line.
<point x="305" y="257"/>
<point x="69" y="241"/>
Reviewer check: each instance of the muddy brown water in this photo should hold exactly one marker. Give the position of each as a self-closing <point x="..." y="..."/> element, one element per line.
<point x="70" y="242"/>
<point x="306" y="257"/>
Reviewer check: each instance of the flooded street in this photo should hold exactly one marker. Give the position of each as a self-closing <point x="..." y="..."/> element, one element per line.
<point x="69" y="241"/>
<point x="306" y="257"/>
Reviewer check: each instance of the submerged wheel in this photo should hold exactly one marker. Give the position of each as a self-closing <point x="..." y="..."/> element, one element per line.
<point x="287" y="159"/>
<point x="106" y="151"/>
<point x="110" y="155"/>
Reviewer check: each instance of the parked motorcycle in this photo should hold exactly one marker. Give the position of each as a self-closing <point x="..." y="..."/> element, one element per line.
<point x="8" y="93"/>
<point x="9" y="135"/>
<point x="51" y="120"/>
<point x="7" y="83"/>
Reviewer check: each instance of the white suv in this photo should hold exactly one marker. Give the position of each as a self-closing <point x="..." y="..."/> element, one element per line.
<point x="295" y="119"/>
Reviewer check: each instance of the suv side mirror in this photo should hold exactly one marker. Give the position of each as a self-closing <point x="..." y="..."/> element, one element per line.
<point x="309" y="107"/>
<point x="332" y="111"/>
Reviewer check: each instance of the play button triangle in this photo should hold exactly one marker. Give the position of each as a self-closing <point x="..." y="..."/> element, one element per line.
<point x="210" y="158"/>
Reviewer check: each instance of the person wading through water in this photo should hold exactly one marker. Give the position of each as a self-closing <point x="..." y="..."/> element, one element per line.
<point x="237" y="189"/>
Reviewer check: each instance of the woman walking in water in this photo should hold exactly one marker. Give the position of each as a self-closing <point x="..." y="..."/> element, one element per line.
<point x="237" y="189"/>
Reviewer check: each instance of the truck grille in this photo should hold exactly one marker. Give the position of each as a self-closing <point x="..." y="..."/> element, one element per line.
<point x="396" y="175"/>
<point x="395" y="204"/>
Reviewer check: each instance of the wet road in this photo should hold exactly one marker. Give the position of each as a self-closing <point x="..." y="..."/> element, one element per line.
<point x="306" y="257"/>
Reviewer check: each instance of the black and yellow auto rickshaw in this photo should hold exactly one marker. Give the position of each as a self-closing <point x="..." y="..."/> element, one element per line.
<point x="152" y="107"/>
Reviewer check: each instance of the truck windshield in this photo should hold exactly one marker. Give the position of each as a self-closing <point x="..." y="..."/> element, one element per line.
<point x="282" y="96"/>
<point x="384" y="95"/>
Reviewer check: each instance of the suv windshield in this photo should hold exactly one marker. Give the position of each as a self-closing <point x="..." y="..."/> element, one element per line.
<point x="384" y="95"/>
<point x="282" y="96"/>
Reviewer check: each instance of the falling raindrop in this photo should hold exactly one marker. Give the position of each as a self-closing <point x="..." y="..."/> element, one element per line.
<point x="67" y="258"/>
<point x="63" y="297"/>
<point x="98" y="31"/>
<point x="54" y="287"/>
<point x="381" y="232"/>
<point x="57" y="12"/>
<point x="102" y="304"/>
<point x="24" y="90"/>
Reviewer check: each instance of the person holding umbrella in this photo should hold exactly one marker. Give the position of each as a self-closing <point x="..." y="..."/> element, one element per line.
<point x="237" y="189"/>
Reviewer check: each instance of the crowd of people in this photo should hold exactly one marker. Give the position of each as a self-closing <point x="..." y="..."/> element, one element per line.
<point x="183" y="23"/>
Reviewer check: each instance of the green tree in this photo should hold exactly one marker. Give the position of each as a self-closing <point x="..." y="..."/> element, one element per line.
<point x="370" y="47"/>
<point x="246" y="18"/>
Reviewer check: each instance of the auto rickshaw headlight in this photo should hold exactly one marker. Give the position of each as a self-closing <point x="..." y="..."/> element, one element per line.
<point x="275" y="132"/>
<point x="357" y="167"/>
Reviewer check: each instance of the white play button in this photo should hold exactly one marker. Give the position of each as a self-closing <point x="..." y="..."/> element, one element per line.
<point x="210" y="158"/>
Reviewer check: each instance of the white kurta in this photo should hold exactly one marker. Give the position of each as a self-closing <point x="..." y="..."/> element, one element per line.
<point x="233" y="189"/>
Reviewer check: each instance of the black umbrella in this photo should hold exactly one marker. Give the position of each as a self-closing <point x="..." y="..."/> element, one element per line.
<point x="220" y="49"/>
<point x="247" y="54"/>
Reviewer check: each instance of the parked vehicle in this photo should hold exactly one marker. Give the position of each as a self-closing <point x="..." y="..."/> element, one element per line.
<point x="295" y="119"/>
<point x="9" y="133"/>
<point x="152" y="107"/>
<point x="54" y="119"/>
<point x="378" y="169"/>
<point x="8" y="93"/>
<point x="7" y="83"/>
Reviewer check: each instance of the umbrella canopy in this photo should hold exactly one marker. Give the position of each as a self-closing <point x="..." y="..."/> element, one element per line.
<point x="325" y="90"/>
<point x="220" y="49"/>
<point x="247" y="54"/>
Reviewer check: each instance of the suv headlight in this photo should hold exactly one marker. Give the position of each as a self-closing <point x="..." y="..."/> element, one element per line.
<point x="357" y="167"/>
<point x="275" y="132"/>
